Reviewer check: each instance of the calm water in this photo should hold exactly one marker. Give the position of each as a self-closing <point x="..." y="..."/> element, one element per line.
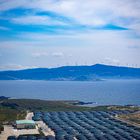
<point x="119" y="92"/>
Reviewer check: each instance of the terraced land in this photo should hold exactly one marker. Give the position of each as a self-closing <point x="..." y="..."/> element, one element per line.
<point x="88" y="125"/>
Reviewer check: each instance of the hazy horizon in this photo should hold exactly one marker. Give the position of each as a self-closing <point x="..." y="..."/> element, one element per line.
<point x="66" y="66"/>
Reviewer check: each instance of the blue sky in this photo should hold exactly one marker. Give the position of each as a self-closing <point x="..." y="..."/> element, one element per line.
<point x="51" y="33"/>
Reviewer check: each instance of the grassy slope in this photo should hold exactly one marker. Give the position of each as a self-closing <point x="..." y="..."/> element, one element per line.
<point x="134" y="108"/>
<point x="13" y="109"/>
<point x="8" y="114"/>
<point x="35" y="104"/>
<point x="131" y="118"/>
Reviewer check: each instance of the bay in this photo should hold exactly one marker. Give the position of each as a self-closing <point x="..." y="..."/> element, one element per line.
<point x="108" y="92"/>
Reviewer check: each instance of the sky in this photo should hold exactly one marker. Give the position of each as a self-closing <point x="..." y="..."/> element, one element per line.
<point x="53" y="33"/>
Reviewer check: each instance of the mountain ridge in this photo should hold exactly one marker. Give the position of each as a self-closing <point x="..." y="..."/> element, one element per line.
<point x="73" y="73"/>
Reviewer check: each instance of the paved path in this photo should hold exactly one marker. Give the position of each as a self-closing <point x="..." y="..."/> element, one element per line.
<point x="44" y="128"/>
<point x="10" y="131"/>
<point x="29" y="116"/>
<point x="7" y="132"/>
<point x="41" y="125"/>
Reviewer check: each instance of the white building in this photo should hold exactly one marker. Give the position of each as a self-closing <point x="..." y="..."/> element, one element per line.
<point x="25" y="124"/>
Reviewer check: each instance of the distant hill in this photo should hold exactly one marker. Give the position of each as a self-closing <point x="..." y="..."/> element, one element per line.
<point x="73" y="73"/>
<point x="3" y="97"/>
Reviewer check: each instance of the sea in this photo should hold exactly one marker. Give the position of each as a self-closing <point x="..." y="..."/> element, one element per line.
<point x="106" y="92"/>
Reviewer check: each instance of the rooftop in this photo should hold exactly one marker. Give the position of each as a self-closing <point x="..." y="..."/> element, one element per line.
<point x="25" y="122"/>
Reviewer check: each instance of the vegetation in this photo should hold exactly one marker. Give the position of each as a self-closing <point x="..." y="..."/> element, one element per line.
<point x="133" y="118"/>
<point x="1" y="128"/>
<point x="12" y="109"/>
<point x="128" y="107"/>
<point x="9" y="111"/>
<point x="40" y="132"/>
<point x="8" y="114"/>
<point x="45" y="105"/>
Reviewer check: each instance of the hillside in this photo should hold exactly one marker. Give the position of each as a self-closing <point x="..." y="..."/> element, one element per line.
<point x="73" y="73"/>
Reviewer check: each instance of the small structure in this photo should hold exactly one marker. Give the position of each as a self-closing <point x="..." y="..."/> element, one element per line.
<point x="25" y="124"/>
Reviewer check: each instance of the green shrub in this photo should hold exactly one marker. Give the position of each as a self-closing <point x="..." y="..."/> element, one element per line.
<point x="1" y="128"/>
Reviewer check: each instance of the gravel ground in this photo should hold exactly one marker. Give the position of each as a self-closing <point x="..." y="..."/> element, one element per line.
<point x="45" y="129"/>
<point x="10" y="131"/>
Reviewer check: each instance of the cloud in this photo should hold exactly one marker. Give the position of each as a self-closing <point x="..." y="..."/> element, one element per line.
<point x="43" y="54"/>
<point x="108" y="39"/>
<point x="15" y="67"/>
<point x="57" y="54"/>
<point x="8" y="5"/>
<point x="89" y="30"/>
<point x="36" y="20"/>
<point x="134" y="47"/>
<point x="4" y="28"/>
<point x="91" y="13"/>
<point x="111" y="60"/>
<point x="39" y="54"/>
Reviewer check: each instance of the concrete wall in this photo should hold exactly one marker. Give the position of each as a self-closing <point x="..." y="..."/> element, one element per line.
<point x="25" y="126"/>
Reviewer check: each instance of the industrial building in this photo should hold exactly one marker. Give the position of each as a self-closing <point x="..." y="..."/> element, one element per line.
<point x="25" y="124"/>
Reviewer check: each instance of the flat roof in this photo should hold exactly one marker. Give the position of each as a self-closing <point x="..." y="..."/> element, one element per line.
<point x="25" y="122"/>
